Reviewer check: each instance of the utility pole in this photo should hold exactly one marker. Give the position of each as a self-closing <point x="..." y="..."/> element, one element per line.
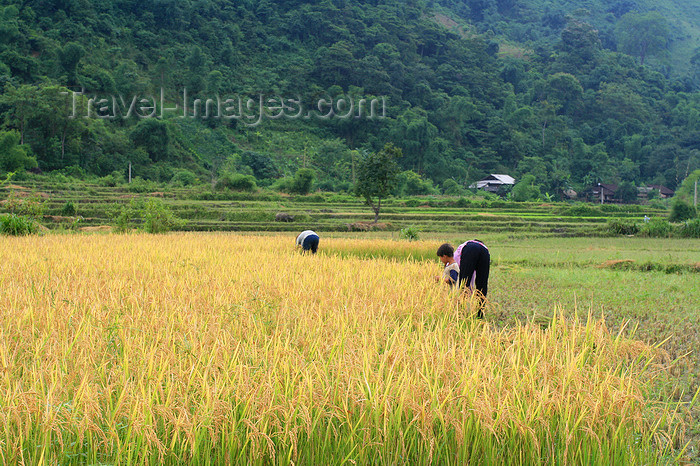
<point x="129" y="172"/>
<point x="695" y="201"/>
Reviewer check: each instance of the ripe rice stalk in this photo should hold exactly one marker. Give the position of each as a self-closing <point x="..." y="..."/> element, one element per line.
<point x="232" y="349"/>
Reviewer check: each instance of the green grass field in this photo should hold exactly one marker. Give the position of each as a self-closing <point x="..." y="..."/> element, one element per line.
<point x="204" y="210"/>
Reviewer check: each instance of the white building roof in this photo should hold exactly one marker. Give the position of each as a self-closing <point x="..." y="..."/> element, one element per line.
<point x="505" y="179"/>
<point x="493" y="180"/>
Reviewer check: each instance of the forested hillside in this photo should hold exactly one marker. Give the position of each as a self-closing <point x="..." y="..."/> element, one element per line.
<point x="622" y="25"/>
<point x="571" y="96"/>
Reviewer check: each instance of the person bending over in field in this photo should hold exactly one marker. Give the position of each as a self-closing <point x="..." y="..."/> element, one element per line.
<point x="308" y="241"/>
<point x="450" y="273"/>
<point x="474" y="262"/>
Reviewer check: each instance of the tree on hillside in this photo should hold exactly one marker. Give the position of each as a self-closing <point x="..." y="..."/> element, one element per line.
<point x="154" y="136"/>
<point x="333" y="159"/>
<point x="14" y="156"/>
<point x="9" y="27"/>
<point x="415" y="134"/>
<point x="335" y="65"/>
<point x="643" y="34"/>
<point x="377" y="175"/>
<point x="564" y="91"/>
<point x="262" y="165"/>
<point x="69" y="57"/>
<point x="41" y="116"/>
<point x="695" y="64"/>
<point x="580" y="43"/>
<point x="20" y="103"/>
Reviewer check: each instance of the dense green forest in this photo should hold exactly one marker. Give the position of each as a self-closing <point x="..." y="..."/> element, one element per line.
<point x="570" y="96"/>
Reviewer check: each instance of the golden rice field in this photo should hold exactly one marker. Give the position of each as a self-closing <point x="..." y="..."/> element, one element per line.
<point x="224" y="349"/>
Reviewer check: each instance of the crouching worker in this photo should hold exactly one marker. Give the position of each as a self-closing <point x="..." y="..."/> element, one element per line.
<point x="474" y="262"/>
<point x="308" y="240"/>
<point x="450" y="273"/>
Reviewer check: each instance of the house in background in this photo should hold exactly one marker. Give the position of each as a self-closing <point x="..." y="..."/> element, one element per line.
<point x="569" y="194"/>
<point x="603" y="193"/>
<point x="607" y="193"/>
<point x="664" y="192"/>
<point x="493" y="183"/>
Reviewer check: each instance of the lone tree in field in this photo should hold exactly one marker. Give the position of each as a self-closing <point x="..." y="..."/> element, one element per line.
<point x="377" y="175"/>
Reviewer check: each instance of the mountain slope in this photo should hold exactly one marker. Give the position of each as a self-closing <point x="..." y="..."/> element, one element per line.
<point x="471" y="88"/>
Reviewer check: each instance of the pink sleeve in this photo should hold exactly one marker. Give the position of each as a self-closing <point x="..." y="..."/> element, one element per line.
<point x="458" y="251"/>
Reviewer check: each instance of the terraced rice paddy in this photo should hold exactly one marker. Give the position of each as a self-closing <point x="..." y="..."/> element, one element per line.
<point x="207" y="211"/>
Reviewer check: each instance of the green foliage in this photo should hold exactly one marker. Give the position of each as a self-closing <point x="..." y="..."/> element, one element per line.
<point x="681" y="211"/>
<point x="32" y="207"/>
<point x="656" y="228"/>
<point x="262" y="165"/>
<point x="17" y="225"/>
<point x="451" y="188"/>
<point x="626" y="191"/>
<point x="410" y="233"/>
<point x="330" y="186"/>
<point x="643" y="34"/>
<point x="461" y="202"/>
<point x="152" y="215"/>
<point x="69" y="209"/>
<point x="526" y="189"/>
<point x="564" y="91"/>
<point x="620" y="208"/>
<point x="183" y="178"/>
<point x="413" y="202"/>
<point x="526" y="90"/>
<point x="658" y="204"/>
<point x="334" y="160"/>
<point x="410" y="183"/>
<point x="303" y="181"/>
<point x="686" y="192"/>
<point x="158" y="218"/>
<point x="70" y="56"/>
<point x="284" y="184"/>
<point x="690" y="229"/>
<point x="249" y="215"/>
<point x="237" y="182"/>
<point x="154" y="137"/>
<point x="75" y="172"/>
<point x="124" y="216"/>
<point x="8" y="178"/>
<point x="301" y="217"/>
<point x="113" y="179"/>
<point x="620" y="227"/>
<point x="140" y="185"/>
<point x="377" y="176"/>
<point x="14" y="157"/>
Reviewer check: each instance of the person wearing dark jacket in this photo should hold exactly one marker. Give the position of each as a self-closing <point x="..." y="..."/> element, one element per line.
<point x="474" y="262"/>
<point x="308" y="241"/>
